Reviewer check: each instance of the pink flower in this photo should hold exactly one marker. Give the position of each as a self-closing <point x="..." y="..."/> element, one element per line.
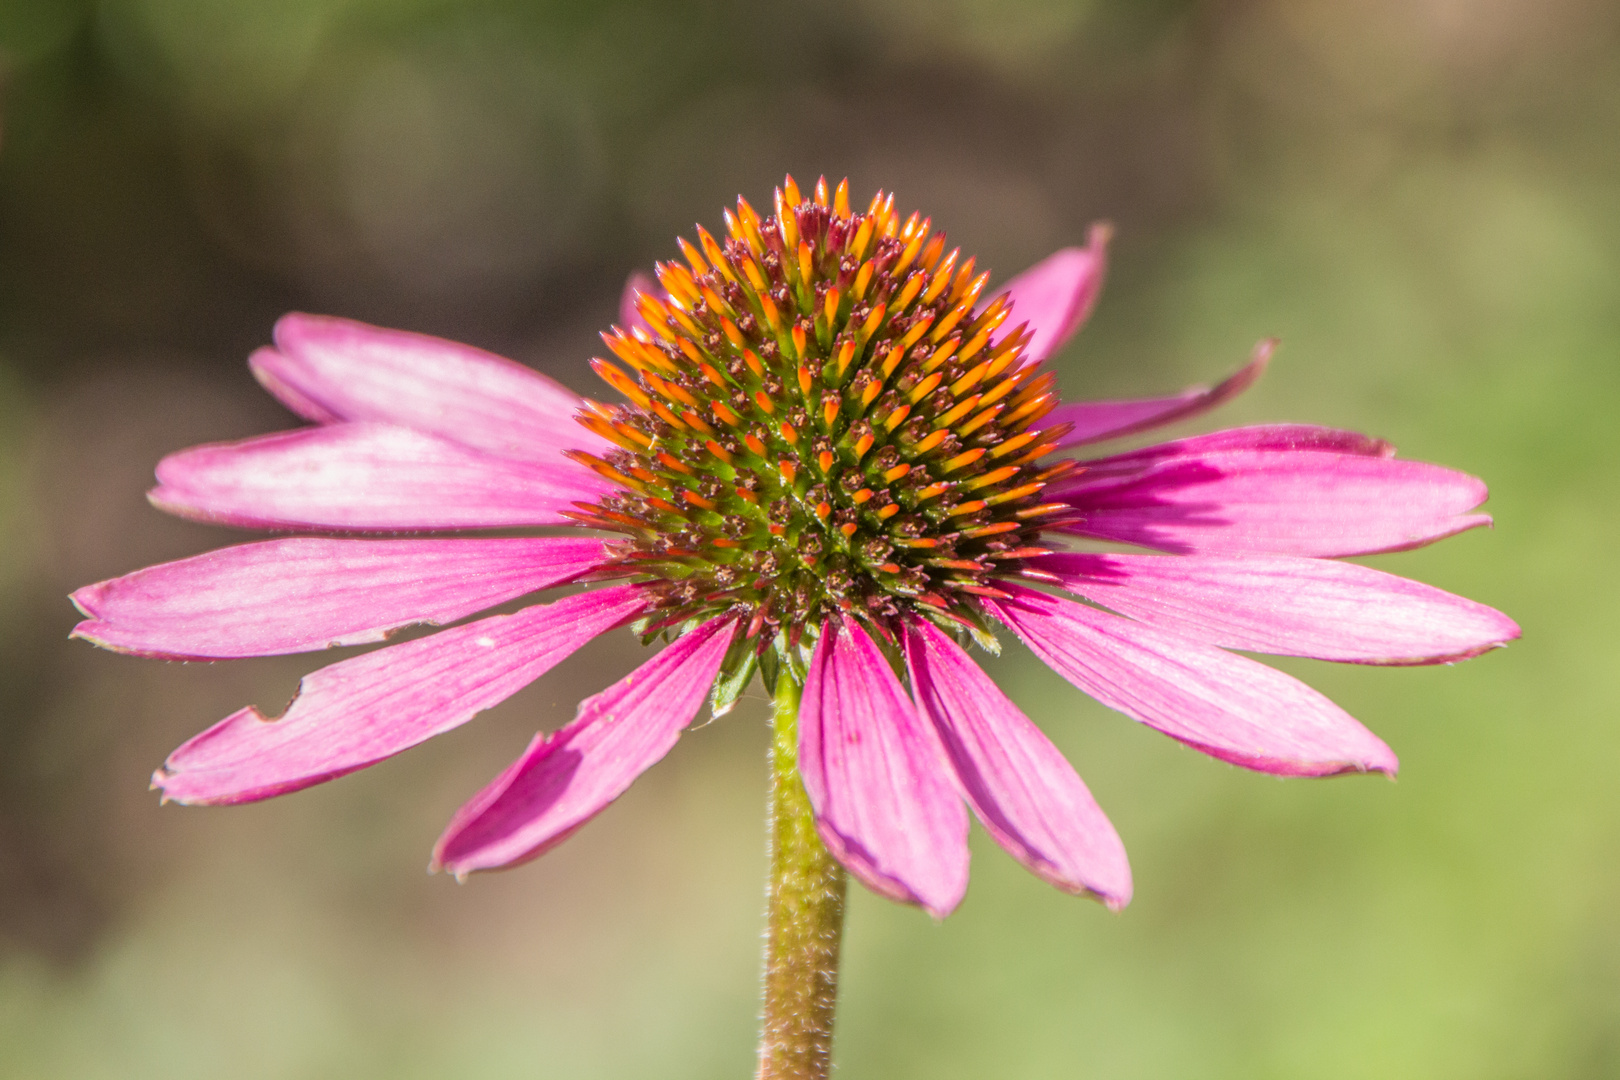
<point x="836" y="462"/>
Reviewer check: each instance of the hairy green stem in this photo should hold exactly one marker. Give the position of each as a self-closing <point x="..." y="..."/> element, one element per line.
<point x="805" y="917"/>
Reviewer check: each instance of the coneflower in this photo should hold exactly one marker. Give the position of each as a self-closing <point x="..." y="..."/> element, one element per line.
<point x="835" y="465"/>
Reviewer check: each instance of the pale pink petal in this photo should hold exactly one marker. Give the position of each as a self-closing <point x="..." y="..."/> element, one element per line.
<point x="269" y="366"/>
<point x="1227" y="706"/>
<point x="1280" y="490"/>
<point x="878" y="778"/>
<point x="629" y="314"/>
<point x="1024" y="791"/>
<point x="563" y="780"/>
<point x="1282" y="604"/>
<point x="367" y="477"/>
<point x="357" y="712"/>
<point x="1094" y="421"/>
<point x="1057" y="294"/>
<point x="328" y="369"/>
<point x="285" y="596"/>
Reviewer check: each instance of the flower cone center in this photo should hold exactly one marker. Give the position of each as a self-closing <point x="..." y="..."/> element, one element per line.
<point x="822" y="415"/>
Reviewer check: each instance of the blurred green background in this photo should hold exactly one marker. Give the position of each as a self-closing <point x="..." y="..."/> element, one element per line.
<point x="1418" y="196"/>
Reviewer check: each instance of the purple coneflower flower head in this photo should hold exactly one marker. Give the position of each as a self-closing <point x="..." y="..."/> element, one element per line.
<point x="837" y="459"/>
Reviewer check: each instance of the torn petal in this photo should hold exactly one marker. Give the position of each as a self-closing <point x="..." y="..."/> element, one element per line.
<point x="357" y="712"/>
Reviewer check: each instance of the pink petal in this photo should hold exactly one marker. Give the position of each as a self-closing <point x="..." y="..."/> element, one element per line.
<point x="357" y="712"/>
<point x="1281" y="490"/>
<point x="1281" y="604"/>
<point x="1094" y="421"/>
<point x="1057" y="294"/>
<point x="328" y="370"/>
<point x="563" y="780"/>
<point x="1025" y="792"/>
<point x="284" y="596"/>
<point x="366" y="476"/>
<point x="1227" y="706"/>
<point x="1259" y="437"/>
<point x="878" y="778"/>
<point x="629" y="314"/>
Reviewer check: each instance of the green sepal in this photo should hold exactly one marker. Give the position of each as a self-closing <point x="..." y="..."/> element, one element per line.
<point x="782" y="658"/>
<point x="977" y="629"/>
<point x="889" y="645"/>
<point x="798" y="659"/>
<point x="770" y="667"/>
<point x="986" y="640"/>
<point x="736" y="672"/>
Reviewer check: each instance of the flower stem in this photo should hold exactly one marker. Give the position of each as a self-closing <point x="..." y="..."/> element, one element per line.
<point x="805" y="917"/>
